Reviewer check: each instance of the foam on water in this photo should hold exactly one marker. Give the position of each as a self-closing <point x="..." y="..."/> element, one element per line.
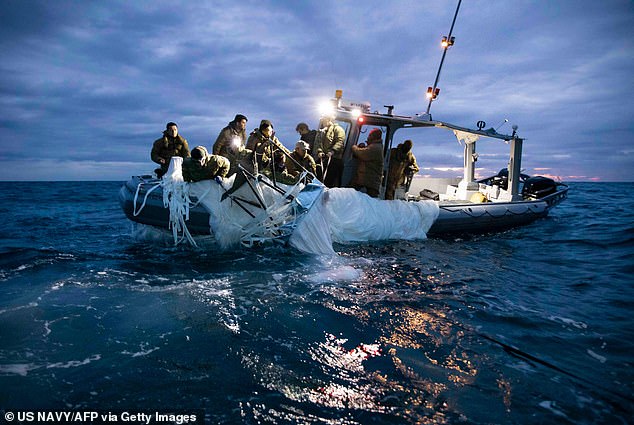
<point x="596" y="356"/>
<point x="552" y="406"/>
<point x="23" y="369"/>
<point x="340" y="274"/>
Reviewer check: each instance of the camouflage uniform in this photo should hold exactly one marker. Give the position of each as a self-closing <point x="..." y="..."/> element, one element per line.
<point x="331" y="139"/>
<point x="307" y="162"/>
<point x="263" y="149"/>
<point x="225" y="139"/>
<point x="212" y="166"/>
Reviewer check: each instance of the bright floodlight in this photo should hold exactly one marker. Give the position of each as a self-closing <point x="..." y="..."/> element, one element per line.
<point x="325" y="108"/>
<point x="356" y="113"/>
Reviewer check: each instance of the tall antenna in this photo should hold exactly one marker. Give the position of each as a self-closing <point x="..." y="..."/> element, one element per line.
<point x="432" y="92"/>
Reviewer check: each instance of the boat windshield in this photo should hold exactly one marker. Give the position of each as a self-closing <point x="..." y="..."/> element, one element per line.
<point x="439" y="154"/>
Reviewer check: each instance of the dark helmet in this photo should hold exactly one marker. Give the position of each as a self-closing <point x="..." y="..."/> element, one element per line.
<point x="199" y="152"/>
<point x="264" y="124"/>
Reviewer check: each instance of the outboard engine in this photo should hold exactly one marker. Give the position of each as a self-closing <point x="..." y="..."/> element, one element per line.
<point x="537" y="187"/>
<point x="502" y="179"/>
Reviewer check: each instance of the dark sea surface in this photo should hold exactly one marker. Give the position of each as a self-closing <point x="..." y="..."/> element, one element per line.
<point x="530" y="326"/>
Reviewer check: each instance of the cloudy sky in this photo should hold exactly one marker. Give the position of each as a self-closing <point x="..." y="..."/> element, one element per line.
<point x="87" y="86"/>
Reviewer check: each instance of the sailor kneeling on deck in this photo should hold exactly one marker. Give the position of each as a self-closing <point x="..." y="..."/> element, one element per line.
<point x="202" y="166"/>
<point x="300" y="160"/>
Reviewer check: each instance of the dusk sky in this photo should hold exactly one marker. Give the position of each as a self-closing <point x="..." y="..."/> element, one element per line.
<point x="87" y="86"/>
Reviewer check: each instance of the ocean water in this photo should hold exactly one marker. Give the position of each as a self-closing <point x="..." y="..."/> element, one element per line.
<point x="533" y="325"/>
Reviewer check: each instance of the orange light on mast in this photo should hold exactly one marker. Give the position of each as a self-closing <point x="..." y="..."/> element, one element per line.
<point x="447" y="41"/>
<point x="431" y="93"/>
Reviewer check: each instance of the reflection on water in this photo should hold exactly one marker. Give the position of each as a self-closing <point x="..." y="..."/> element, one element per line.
<point x="396" y="353"/>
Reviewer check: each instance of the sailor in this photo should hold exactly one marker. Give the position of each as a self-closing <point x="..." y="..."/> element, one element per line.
<point x="300" y="158"/>
<point x="370" y="168"/>
<point x="263" y="143"/>
<point x="233" y="134"/>
<point x="202" y="166"/>
<point x="171" y="144"/>
<point x="402" y="167"/>
<point x="307" y="135"/>
<point x="329" y="144"/>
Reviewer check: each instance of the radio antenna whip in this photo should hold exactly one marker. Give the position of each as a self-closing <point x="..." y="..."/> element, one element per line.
<point x="432" y="92"/>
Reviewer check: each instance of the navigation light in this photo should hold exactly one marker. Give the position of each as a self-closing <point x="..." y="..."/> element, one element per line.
<point x="431" y="93"/>
<point x="447" y="41"/>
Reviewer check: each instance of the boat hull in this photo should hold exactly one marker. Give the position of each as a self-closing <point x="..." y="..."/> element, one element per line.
<point x="453" y="218"/>
<point x="486" y="217"/>
<point x="154" y="213"/>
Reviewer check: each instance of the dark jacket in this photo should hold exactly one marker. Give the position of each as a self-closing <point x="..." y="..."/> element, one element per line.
<point x="212" y="166"/>
<point x="225" y="139"/>
<point x="370" y="167"/>
<point x="310" y="139"/>
<point x="166" y="147"/>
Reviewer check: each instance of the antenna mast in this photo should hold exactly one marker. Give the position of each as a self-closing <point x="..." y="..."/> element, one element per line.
<point x="432" y="92"/>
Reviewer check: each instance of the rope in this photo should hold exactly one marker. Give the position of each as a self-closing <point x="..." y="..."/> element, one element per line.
<point x="136" y="196"/>
<point x="275" y="222"/>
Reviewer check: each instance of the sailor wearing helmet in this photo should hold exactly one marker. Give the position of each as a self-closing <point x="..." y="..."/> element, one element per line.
<point x="300" y="159"/>
<point x="202" y="166"/>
